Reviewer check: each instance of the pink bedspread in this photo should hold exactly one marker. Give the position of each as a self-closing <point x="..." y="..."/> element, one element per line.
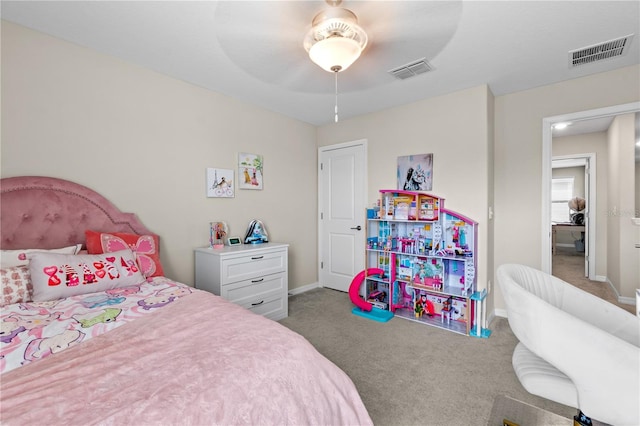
<point x="198" y="361"/>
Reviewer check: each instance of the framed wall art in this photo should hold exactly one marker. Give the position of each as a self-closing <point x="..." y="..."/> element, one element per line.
<point x="415" y="172"/>
<point x="250" y="171"/>
<point x="220" y="183"/>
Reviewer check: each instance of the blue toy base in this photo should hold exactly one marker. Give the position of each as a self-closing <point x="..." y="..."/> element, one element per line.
<point x="484" y="333"/>
<point x="375" y="314"/>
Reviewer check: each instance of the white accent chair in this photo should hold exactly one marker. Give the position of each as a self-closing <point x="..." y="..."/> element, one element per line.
<point x="574" y="348"/>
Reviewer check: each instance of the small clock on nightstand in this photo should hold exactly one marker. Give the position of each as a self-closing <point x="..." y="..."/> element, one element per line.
<point x="234" y="241"/>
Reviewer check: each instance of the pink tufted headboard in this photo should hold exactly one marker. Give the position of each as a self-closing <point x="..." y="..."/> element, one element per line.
<point x="45" y="212"/>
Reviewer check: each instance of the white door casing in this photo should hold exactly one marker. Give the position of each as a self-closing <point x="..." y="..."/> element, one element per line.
<point x="589" y="224"/>
<point x="547" y="138"/>
<point x="341" y="213"/>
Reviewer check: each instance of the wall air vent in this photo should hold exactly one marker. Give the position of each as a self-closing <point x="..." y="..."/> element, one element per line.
<point x="598" y="52"/>
<point x="411" y="69"/>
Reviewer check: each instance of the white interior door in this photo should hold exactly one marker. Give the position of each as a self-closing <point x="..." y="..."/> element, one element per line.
<point x="587" y="214"/>
<point x="342" y="192"/>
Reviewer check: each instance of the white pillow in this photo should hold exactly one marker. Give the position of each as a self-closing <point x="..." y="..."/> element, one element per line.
<point x="56" y="276"/>
<point x="11" y="258"/>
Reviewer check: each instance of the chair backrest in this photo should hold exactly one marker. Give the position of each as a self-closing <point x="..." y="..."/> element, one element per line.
<point x="593" y="342"/>
<point x="521" y="285"/>
<point x="544" y="286"/>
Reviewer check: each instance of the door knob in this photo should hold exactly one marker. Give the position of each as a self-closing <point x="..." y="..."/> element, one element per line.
<point x="357" y="228"/>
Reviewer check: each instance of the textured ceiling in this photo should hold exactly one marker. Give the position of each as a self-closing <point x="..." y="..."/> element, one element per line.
<point x="252" y="50"/>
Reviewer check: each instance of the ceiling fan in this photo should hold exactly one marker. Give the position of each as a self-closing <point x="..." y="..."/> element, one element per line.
<point x="270" y="39"/>
<point x="335" y="40"/>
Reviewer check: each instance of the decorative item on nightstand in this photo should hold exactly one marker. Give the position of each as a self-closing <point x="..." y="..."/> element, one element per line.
<point x="217" y="233"/>
<point x="256" y="233"/>
<point x="234" y="241"/>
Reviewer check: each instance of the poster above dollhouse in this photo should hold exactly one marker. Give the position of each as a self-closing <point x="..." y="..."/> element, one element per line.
<point x="415" y="172"/>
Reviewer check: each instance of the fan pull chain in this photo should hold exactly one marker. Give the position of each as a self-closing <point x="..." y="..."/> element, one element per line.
<point x="336" y="109"/>
<point x="336" y="69"/>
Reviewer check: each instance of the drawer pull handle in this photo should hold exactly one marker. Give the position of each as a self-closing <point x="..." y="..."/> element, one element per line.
<point x="259" y="303"/>
<point x="257" y="257"/>
<point x="257" y="281"/>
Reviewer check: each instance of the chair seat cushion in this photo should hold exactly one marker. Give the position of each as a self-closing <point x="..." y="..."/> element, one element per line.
<point x="543" y="379"/>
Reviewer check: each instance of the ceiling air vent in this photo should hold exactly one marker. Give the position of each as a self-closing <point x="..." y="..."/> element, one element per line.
<point x="598" y="52"/>
<point x="411" y="69"/>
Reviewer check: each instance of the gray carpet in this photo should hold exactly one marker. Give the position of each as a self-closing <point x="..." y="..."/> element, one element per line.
<point x="409" y="373"/>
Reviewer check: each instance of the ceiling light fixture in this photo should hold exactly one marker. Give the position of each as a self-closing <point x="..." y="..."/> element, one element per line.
<point x="335" y="41"/>
<point x="560" y="126"/>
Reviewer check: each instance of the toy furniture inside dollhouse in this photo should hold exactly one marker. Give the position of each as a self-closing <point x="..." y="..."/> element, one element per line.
<point x="428" y="255"/>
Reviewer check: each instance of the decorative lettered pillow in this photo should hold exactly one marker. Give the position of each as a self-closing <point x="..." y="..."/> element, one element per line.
<point x="55" y="276"/>
<point x="15" y="285"/>
<point x="145" y="247"/>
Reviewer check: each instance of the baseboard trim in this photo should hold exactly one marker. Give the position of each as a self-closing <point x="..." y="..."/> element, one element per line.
<point x="502" y="313"/>
<point x="303" y="289"/>
<point x="601" y="278"/>
<point x="621" y="299"/>
<point x="627" y="300"/>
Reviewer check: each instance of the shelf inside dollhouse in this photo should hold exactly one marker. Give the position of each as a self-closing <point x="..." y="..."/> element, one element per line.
<point x="450" y="291"/>
<point x="409" y="205"/>
<point x="433" y="320"/>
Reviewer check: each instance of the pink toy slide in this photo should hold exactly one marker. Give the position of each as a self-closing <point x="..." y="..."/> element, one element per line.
<point x="364" y="308"/>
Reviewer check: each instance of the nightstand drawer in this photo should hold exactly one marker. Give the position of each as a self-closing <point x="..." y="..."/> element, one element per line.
<point x="272" y="307"/>
<point x="255" y="265"/>
<point x="254" y="289"/>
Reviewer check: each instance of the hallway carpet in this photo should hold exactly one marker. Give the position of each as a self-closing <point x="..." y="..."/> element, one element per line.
<point x="568" y="265"/>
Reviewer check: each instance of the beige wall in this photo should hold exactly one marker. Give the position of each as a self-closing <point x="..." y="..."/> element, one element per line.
<point x="144" y="141"/>
<point x="456" y="128"/>
<point x="518" y="155"/>
<point x="623" y="270"/>
<point x="595" y="143"/>
<point x="637" y="184"/>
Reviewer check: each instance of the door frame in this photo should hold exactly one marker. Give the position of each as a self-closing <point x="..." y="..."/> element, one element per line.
<point x="588" y="161"/>
<point x="365" y="179"/>
<point x="547" y="138"/>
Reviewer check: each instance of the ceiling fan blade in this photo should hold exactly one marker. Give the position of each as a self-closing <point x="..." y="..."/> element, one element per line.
<point x="265" y="39"/>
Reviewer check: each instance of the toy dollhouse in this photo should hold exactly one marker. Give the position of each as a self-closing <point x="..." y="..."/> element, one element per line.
<point x="428" y="255"/>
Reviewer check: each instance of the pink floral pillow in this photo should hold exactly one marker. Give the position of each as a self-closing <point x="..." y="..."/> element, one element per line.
<point x="145" y="247"/>
<point x="16" y="285"/>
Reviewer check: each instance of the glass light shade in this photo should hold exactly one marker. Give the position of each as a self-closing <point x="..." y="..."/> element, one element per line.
<point x="335" y="52"/>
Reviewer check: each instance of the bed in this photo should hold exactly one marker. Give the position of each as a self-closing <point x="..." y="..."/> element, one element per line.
<point x="101" y="336"/>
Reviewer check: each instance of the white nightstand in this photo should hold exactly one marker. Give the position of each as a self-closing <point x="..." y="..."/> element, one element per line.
<point x="252" y="275"/>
